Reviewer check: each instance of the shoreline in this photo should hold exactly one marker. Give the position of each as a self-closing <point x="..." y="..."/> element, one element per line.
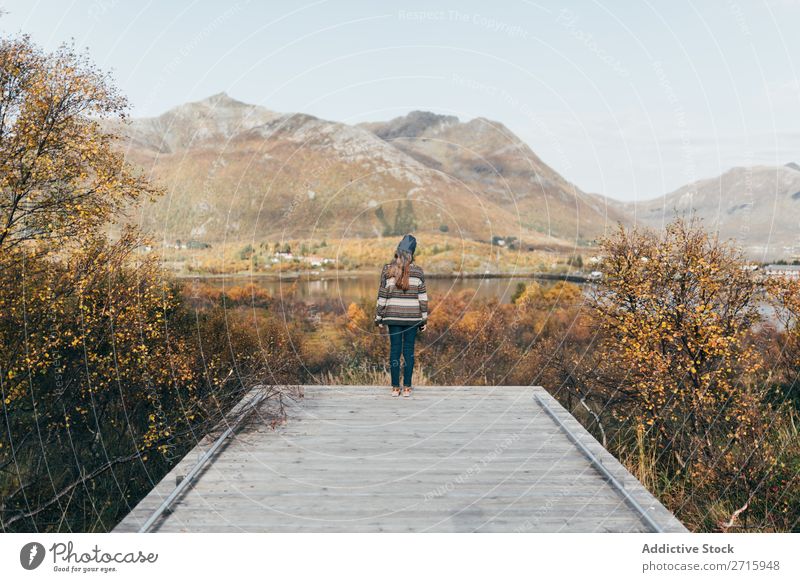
<point x="298" y="275"/>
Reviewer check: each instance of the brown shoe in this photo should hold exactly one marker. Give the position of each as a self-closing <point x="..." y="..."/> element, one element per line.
<point x="395" y="390"/>
<point x="407" y="391"/>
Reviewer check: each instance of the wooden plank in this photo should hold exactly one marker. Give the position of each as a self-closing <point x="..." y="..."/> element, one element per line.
<point x="466" y="523"/>
<point x="447" y="459"/>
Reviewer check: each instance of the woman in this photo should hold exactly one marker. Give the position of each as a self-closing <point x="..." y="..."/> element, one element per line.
<point x="403" y="307"/>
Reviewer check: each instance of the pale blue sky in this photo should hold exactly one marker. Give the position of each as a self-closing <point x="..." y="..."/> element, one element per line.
<point x="629" y="99"/>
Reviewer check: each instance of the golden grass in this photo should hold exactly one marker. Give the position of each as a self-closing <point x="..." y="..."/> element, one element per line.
<point x="364" y="375"/>
<point x="436" y="253"/>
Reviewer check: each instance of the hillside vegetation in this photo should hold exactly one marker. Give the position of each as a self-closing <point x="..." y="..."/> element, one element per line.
<point x="235" y="171"/>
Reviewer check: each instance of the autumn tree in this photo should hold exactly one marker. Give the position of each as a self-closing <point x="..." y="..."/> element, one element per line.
<point x="784" y="297"/>
<point x="60" y="176"/>
<point x="104" y="381"/>
<point x="675" y="313"/>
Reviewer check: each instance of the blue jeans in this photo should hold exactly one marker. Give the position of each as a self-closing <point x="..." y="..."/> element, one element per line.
<point x="401" y="340"/>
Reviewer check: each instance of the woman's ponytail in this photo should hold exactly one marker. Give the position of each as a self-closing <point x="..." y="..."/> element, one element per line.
<point x="401" y="269"/>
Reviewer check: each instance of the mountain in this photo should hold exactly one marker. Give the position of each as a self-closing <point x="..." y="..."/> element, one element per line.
<point x="758" y="206"/>
<point x="214" y="119"/>
<point x="491" y="161"/>
<point x="238" y="171"/>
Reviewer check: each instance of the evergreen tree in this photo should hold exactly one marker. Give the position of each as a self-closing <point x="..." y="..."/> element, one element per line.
<point x="404" y="221"/>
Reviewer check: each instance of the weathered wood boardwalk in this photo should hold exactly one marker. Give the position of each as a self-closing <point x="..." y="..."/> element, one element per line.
<point x="463" y="459"/>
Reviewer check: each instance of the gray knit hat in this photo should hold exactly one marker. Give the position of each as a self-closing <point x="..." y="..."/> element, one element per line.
<point x="409" y="243"/>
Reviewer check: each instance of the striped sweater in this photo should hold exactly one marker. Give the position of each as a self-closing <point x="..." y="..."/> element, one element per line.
<point x="396" y="306"/>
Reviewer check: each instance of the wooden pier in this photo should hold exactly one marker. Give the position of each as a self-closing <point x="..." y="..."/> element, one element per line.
<point x="447" y="459"/>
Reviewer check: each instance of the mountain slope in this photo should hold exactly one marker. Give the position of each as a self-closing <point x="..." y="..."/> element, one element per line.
<point x="212" y="120"/>
<point x="242" y="172"/>
<point x="491" y="160"/>
<point x="758" y="206"/>
<point x="238" y="171"/>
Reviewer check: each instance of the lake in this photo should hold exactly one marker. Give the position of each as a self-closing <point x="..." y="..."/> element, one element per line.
<point x="353" y="288"/>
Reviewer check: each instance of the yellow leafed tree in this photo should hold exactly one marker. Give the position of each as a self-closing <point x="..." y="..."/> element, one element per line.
<point x="106" y="376"/>
<point x="677" y="359"/>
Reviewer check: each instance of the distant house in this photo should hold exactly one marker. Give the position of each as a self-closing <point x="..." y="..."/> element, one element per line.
<point x="314" y="260"/>
<point x="191" y="244"/>
<point x="788" y="271"/>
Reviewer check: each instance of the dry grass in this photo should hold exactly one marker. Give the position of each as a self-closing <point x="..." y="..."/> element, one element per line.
<point x="367" y="376"/>
<point x="437" y="253"/>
